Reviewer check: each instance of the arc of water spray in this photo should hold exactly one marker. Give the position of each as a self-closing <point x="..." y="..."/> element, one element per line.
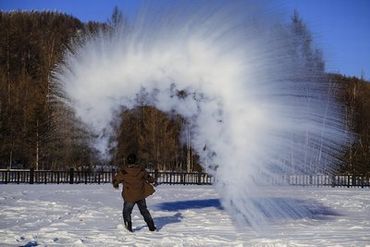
<point x="249" y="93"/>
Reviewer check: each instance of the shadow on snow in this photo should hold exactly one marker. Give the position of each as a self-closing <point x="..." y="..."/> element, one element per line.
<point x="160" y="222"/>
<point x="274" y="208"/>
<point x="191" y="204"/>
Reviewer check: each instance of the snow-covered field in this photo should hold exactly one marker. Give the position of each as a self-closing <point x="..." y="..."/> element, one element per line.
<point x="90" y="215"/>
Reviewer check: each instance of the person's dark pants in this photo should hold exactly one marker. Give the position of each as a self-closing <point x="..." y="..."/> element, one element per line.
<point x="127" y="210"/>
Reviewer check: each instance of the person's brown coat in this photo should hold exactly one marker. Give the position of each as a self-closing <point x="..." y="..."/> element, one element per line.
<point x="135" y="182"/>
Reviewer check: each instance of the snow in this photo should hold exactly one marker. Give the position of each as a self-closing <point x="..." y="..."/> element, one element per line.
<point x="91" y="215"/>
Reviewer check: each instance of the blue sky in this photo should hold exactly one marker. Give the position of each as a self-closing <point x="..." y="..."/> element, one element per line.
<point x="341" y="28"/>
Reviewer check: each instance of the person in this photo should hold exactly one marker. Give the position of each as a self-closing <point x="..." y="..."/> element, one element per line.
<point x="136" y="187"/>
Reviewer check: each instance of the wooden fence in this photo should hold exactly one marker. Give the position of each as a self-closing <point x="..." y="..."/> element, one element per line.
<point x="99" y="176"/>
<point x="343" y="180"/>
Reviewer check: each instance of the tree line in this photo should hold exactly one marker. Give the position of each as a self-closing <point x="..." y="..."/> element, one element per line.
<point x="35" y="130"/>
<point x="38" y="131"/>
<point x="355" y="95"/>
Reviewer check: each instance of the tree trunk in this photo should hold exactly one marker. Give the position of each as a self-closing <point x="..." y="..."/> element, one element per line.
<point x="188" y="151"/>
<point x="37" y="144"/>
<point x="11" y="156"/>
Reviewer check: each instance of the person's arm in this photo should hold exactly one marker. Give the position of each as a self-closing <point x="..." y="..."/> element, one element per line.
<point x="117" y="179"/>
<point x="148" y="178"/>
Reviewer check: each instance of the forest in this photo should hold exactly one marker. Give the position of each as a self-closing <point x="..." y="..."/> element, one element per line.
<point x="38" y="131"/>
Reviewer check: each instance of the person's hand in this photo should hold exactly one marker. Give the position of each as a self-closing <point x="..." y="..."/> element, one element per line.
<point x="115" y="185"/>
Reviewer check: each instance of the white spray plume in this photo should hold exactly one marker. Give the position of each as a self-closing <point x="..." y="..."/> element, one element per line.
<point x="254" y="108"/>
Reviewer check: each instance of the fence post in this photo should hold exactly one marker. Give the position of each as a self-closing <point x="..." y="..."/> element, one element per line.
<point x="199" y="178"/>
<point x="99" y="174"/>
<point x="156" y="175"/>
<point x="348" y="179"/>
<point x="18" y="176"/>
<point x="32" y="174"/>
<point x="6" y="176"/>
<point x="333" y="181"/>
<point x="71" y="174"/>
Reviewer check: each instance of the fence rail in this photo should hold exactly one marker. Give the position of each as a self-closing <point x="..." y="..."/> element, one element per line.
<point x="72" y="176"/>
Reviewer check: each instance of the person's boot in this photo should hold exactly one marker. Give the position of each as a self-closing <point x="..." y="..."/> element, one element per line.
<point x="151" y="225"/>
<point x="128" y="225"/>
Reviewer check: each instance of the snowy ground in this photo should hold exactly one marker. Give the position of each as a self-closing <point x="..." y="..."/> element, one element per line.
<point x="90" y="215"/>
